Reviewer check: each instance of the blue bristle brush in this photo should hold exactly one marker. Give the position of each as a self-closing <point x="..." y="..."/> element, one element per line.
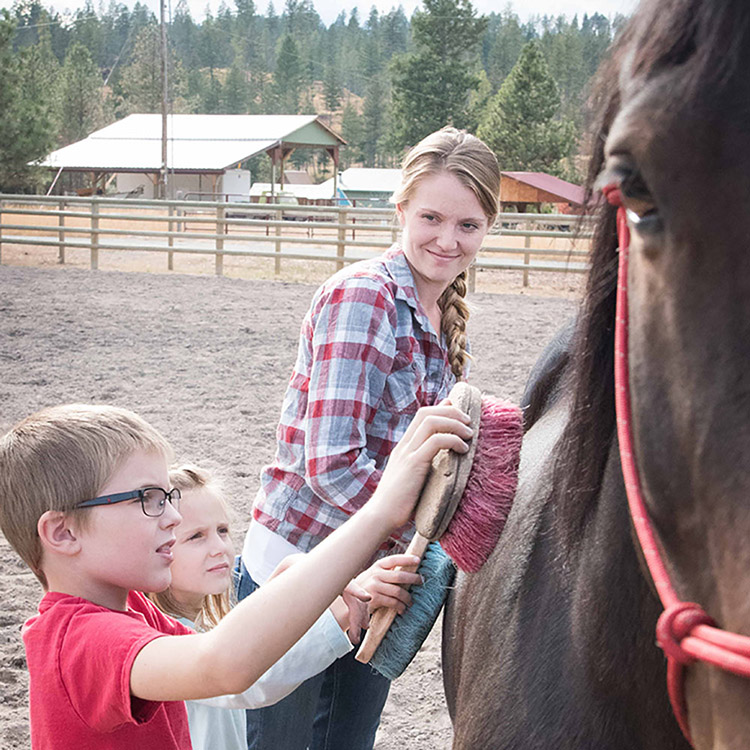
<point x="464" y="503"/>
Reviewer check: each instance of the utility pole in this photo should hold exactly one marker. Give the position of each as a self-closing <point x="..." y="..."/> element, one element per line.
<point x="162" y="187"/>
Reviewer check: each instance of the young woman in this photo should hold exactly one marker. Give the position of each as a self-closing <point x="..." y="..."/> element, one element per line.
<point x="381" y="338"/>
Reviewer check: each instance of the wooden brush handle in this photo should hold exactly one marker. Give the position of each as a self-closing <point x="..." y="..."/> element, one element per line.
<point x="383" y="618"/>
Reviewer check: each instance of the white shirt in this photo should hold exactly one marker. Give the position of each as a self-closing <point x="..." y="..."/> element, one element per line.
<point x="220" y="722"/>
<point x="263" y="550"/>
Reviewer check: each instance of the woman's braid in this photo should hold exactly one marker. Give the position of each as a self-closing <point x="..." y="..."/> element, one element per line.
<point x="455" y="313"/>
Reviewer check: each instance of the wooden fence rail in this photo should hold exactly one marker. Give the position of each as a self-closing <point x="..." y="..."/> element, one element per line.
<point x="269" y="231"/>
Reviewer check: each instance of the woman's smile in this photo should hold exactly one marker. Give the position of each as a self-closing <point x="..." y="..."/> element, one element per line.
<point x="443" y="228"/>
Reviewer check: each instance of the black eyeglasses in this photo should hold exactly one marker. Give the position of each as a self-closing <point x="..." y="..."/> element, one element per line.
<point x="153" y="500"/>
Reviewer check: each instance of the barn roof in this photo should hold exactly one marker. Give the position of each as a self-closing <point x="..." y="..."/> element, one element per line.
<point x="566" y="191"/>
<point x="196" y="143"/>
<point x="368" y="180"/>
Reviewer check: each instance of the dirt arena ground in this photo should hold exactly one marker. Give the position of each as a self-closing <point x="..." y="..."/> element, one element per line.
<point x="206" y="360"/>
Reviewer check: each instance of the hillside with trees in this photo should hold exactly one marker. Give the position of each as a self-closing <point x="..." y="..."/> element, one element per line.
<point x="383" y="81"/>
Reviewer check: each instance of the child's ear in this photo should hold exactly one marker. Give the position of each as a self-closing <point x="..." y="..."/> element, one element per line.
<point x="57" y="533"/>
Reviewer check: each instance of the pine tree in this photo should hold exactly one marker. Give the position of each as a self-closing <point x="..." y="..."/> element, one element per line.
<point x="140" y="82"/>
<point x="288" y="77"/>
<point x="508" y="40"/>
<point x="351" y="131"/>
<point x="141" y="79"/>
<point x="478" y="101"/>
<point x="563" y="48"/>
<point x="210" y="93"/>
<point x="84" y="108"/>
<point x="245" y="39"/>
<point x="183" y="34"/>
<point x="374" y="108"/>
<point x="332" y="81"/>
<point x="87" y="31"/>
<point x="40" y="79"/>
<point x="236" y="91"/>
<point x="25" y="133"/>
<point x="519" y="123"/>
<point x="431" y="86"/>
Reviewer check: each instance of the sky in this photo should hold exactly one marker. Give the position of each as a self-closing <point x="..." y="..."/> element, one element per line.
<point x="329" y="9"/>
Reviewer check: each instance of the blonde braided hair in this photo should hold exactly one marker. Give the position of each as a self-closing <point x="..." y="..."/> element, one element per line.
<point x="473" y="163"/>
<point x="454" y="316"/>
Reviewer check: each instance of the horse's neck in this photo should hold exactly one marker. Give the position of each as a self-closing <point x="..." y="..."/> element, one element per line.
<point x="569" y="625"/>
<point x="610" y="608"/>
<point x="614" y="610"/>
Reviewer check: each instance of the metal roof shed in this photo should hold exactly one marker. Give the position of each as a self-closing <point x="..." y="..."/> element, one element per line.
<point x="367" y="185"/>
<point x="521" y="188"/>
<point x="196" y="145"/>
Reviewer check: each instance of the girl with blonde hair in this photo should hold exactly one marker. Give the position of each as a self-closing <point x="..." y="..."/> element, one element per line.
<point x="382" y="337"/>
<point x="202" y="592"/>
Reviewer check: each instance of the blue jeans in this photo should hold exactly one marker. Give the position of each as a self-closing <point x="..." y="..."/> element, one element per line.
<point x="338" y="709"/>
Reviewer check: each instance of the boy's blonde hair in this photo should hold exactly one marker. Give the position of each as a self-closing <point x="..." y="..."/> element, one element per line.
<point x="189" y="477"/>
<point x="60" y="457"/>
<point x="473" y="163"/>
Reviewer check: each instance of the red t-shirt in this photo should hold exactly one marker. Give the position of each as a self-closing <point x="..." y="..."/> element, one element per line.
<point x="80" y="656"/>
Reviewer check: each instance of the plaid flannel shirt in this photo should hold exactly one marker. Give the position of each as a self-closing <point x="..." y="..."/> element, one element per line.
<point x="368" y="358"/>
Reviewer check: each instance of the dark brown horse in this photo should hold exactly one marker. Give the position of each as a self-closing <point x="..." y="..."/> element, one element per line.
<point x="552" y="644"/>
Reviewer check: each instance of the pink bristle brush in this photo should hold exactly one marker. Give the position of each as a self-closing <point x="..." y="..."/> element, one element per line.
<point x="464" y="503"/>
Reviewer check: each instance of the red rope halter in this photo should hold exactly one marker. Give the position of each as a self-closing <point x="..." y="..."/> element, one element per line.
<point x="684" y="631"/>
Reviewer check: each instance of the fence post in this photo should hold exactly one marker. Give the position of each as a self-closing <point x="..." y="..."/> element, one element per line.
<point x="61" y="234"/>
<point x="219" y="240"/>
<point x="1" y="231"/>
<point x="526" y="261"/>
<point x="341" y="246"/>
<point x="94" y="234"/>
<point x="279" y="214"/>
<point x="170" y="239"/>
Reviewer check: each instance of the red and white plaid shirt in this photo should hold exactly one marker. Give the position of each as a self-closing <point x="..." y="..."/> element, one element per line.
<point x="368" y="358"/>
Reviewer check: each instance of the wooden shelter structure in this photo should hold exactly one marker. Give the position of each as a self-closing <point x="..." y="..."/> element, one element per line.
<point x="518" y="190"/>
<point x="200" y="148"/>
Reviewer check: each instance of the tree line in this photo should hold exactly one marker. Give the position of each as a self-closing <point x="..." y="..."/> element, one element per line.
<point x="383" y="81"/>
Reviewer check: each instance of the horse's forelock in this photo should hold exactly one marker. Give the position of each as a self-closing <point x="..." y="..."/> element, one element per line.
<point x="711" y="35"/>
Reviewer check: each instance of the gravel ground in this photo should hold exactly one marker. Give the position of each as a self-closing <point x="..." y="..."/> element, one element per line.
<point x="206" y="360"/>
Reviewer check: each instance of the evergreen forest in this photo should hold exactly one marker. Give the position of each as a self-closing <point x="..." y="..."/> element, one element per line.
<point x="382" y="80"/>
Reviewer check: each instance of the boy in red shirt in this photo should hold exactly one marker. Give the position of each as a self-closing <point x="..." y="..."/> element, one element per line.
<point x="84" y="500"/>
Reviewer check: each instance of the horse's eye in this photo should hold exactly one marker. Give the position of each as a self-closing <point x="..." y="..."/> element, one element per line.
<point x="642" y="211"/>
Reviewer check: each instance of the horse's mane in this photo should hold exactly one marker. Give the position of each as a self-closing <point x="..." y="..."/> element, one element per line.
<point x="706" y="38"/>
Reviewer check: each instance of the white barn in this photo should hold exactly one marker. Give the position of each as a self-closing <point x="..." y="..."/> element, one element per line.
<point x="206" y="154"/>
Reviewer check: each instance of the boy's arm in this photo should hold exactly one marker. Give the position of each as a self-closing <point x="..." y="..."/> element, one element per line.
<point x="261" y="628"/>
<point x="319" y="647"/>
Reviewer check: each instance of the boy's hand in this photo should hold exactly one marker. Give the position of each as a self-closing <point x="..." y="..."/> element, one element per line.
<point x="384" y="581"/>
<point x="432" y="429"/>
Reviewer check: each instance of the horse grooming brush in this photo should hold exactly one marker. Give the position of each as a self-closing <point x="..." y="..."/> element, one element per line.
<point x="464" y="503"/>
